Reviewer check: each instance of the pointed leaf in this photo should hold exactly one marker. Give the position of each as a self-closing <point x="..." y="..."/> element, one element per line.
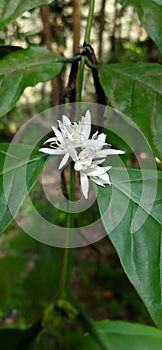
<point x="17" y="161"/>
<point x="131" y="213"/>
<point x="9" y="10"/>
<point x="125" y="336"/>
<point x="149" y="13"/>
<point x="136" y="90"/>
<point x="25" y="67"/>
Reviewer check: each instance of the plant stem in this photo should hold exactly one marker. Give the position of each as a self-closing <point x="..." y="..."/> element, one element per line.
<point x="89" y="22"/>
<point x="67" y="60"/>
<point x="88" y="323"/>
<point x="87" y="41"/>
<point x="65" y="277"/>
<point x="80" y="79"/>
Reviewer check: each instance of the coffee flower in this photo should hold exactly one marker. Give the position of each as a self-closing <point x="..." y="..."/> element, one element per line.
<point x="72" y="141"/>
<point x="89" y="168"/>
<point x="68" y="138"/>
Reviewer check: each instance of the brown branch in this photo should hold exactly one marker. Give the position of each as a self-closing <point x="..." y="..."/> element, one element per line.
<point x="101" y="28"/>
<point x="76" y="24"/>
<point x="89" y="52"/>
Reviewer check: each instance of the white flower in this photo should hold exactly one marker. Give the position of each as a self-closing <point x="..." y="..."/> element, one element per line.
<point x="91" y="169"/>
<point x="68" y="138"/>
<point x="72" y="140"/>
<point x="93" y="148"/>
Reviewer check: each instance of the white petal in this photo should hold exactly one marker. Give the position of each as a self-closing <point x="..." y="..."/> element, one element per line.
<point x="111" y="151"/>
<point x="52" y="139"/>
<point x="53" y="128"/>
<point x="94" y="135"/>
<point x="84" y="184"/>
<point x="102" y="180"/>
<point x="107" y="152"/>
<point x="97" y="162"/>
<point x="101" y="138"/>
<point x="61" y="126"/>
<point x="86" y="124"/>
<point x="107" y="168"/>
<point x="101" y="154"/>
<point x="78" y="166"/>
<point x="66" y="120"/>
<point x="58" y="135"/>
<point x="85" y="153"/>
<point x="105" y="178"/>
<point x="73" y="153"/>
<point x="97" y="181"/>
<point x="97" y="171"/>
<point x="90" y="143"/>
<point x="64" y="160"/>
<point x="51" y="151"/>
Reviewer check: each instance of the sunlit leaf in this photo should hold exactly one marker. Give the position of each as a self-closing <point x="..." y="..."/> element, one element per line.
<point x="9" y="10"/>
<point x="25" y="67"/>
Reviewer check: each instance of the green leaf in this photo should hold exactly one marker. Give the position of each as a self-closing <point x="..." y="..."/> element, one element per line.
<point x="136" y="90"/>
<point x="11" y="178"/>
<point x="9" y="10"/>
<point x="150" y="13"/>
<point x="23" y="68"/>
<point x="41" y="284"/>
<point x="18" y="251"/>
<point x="24" y="279"/>
<point x="16" y="339"/>
<point x="131" y="213"/>
<point x="125" y="336"/>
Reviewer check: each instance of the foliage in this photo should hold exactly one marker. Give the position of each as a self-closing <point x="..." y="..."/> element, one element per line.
<point x="23" y="68"/>
<point x="13" y="173"/>
<point x="150" y="16"/>
<point x="139" y="261"/>
<point x="9" y="10"/>
<point x="132" y="86"/>
<point x="123" y="335"/>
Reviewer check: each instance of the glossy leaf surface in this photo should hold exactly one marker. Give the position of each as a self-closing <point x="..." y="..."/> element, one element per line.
<point x="9" y="10"/>
<point x="125" y="336"/>
<point x="136" y="90"/>
<point x="133" y="222"/>
<point x="25" y="67"/>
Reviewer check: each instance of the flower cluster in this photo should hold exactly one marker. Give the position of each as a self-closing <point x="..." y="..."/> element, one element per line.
<point x="72" y="140"/>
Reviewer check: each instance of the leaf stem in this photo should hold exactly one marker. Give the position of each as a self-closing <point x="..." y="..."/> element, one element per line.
<point x="67" y="59"/>
<point x="89" y="22"/>
<point x="88" y="323"/>
<point x="87" y="41"/>
<point x="67" y="260"/>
